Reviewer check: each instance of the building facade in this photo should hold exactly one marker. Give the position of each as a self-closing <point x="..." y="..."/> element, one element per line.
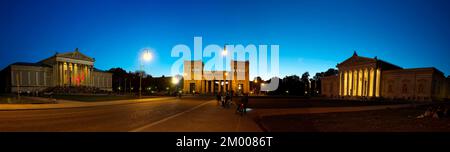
<point x="361" y="78"/>
<point x="71" y="69"/>
<point x="198" y="80"/>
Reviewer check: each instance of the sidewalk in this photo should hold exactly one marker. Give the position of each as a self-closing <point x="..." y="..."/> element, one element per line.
<point x="73" y="104"/>
<point x="207" y="117"/>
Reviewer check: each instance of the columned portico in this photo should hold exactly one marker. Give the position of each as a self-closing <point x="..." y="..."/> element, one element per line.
<point x="60" y="70"/>
<point x="72" y="72"/>
<point x="359" y="77"/>
<point x="362" y="81"/>
<point x="367" y="78"/>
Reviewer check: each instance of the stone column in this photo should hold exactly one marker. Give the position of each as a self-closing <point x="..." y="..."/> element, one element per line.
<point x="363" y="88"/>
<point x="55" y="73"/>
<point x="374" y="82"/>
<point x="366" y="77"/>
<point x="85" y="69"/>
<point x="345" y="83"/>
<point x="354" y="88"/>
<point x="341" y="83"/>
<point x="92" y="76"/>
<point x="89" y="76"/>
<point x="220" y="86"/>
<point x="358" y="74"/>
<point x="362" y="82"/>
<point x="74" y="72"/>
<point x="63" y="73"/>
<point x="83" y="73"/>
<point x="348" y="83"/>
<point x="58" y="75"/>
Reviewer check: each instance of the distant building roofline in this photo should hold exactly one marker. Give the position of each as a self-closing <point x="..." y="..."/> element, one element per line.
<point x="38" y="64"/>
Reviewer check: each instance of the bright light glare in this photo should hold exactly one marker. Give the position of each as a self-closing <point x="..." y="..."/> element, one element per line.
<point x="147" y="56"/>
<point x="224" y="52"/>
<point x="175" y="80"/>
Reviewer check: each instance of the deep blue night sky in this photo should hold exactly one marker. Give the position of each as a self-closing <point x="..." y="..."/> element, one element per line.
<point x="313" y="35"/>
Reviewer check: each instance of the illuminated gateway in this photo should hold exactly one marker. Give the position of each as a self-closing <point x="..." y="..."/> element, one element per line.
<point x="361" y="78"/>
<point x="198" y="80"/>
<point x="70" y="69"/>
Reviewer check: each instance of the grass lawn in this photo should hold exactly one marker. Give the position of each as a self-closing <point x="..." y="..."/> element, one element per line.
<point x="271" y="102"/>
<point x="93" y="98"/>
<point x="389" y="120"/>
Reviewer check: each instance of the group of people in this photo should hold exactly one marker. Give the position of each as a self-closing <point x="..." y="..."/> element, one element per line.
<point x="436" y="112"/>
<point x="226" y="99"/>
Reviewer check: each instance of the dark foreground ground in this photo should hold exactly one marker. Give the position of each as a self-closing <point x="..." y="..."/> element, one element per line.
<point x="389" y="120"/>
<point x="302" y="102"/>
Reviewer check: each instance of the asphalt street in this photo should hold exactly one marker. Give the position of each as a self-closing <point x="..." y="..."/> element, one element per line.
<point x="123" y="117"/>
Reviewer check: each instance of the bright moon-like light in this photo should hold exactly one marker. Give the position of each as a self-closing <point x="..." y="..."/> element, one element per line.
<point x="224" y="52"/>
<point x="147" y="56"/>
<point x="175" y="80"/>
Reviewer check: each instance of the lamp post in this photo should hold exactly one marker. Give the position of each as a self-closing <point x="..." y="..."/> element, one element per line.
<point x="255" y="87"/>
<point x="146" y="56"/>
<point x="175" y="82"/>
<point x="224" y="55"/>
<point x="262" y="85"/>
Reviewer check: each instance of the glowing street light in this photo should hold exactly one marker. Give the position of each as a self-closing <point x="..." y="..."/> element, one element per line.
<point x="146" y="56"/>
<point x="224" y="52"/>
<point x="175" y="80"/>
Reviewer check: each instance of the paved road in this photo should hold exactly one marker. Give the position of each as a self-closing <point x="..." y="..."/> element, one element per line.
<point x="209" y="117"/>
<point x="125" y="117"/>
<point x="160" y="114"/>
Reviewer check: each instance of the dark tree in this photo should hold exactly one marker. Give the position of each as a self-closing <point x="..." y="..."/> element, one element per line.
<point x="317" y="79"/>
<point x="118" y="75"/>
<point x="305" y="80"/>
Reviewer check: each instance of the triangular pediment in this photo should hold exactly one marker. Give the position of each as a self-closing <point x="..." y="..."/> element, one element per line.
<point x="356" y="60"/>
<point x="75" y="55"/>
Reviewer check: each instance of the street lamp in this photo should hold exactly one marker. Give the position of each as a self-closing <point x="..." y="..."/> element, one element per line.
<point x="224" y="52"/>
<point x="175" y="81"/>
<point x="262" y="86"/>
<point x="146" y="57"/>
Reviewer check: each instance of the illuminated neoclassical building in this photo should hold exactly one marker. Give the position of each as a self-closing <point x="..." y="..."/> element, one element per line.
<point x="361" y="77"/>
<point x="60" y="70"/>
<point x="198" y="80"/>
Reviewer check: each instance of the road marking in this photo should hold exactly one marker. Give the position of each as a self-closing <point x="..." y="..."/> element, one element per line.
<point x="170" y="117"/>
